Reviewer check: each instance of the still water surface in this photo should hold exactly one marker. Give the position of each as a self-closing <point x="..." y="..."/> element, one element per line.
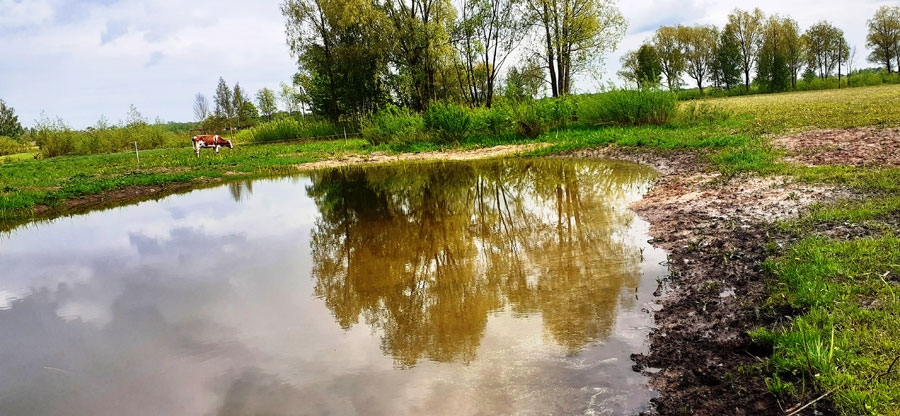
<point x="504" y="287"/>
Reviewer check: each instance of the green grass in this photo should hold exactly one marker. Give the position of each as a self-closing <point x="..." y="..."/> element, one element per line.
<point x="846" y="339"/>
<point x="852" y="107"/>
<point x="51" y="181"/>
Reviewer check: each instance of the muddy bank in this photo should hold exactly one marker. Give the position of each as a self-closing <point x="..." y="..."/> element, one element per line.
<point x="717" y="231"/>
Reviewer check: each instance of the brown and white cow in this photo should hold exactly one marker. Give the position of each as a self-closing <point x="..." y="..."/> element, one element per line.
<point x="210" y="140"/>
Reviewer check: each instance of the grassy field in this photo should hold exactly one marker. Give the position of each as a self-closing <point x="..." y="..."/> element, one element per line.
<point x="846" y="337"/>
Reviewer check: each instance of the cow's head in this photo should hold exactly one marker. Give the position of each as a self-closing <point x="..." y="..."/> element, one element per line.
<point x="229" y="144"/>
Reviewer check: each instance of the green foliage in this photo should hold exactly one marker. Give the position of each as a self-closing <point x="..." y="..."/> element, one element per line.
<point x="702" y="113"/>
<point x="496" y="120"/>
<point x="287" y="129"/>
<point x="55" y="138"/>
<point x="9" y="121"/>
<point x="523" y="83"/>
<point x="845" y="340"/>
<point x="746" y="159"/>
<point x="727" y="64"/>
<point x="627" y="107"/>
<point x="266" y="100"/>
<point x="649" y="68"/>
<point x="533" y="119"/>
<point x="883" y="37"/>
<point x="8" y="146"/>
<point x="448" y="122"/>
<point x="394" y="125"/>
<point x="780" y="388"/>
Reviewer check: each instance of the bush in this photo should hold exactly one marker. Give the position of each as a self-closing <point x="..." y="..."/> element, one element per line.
<point x="628" y="107"/>
<point x="54" y="138"/>
<point x="449" y="122"/>
<point x="287" y="129"/>
<point x="394" y="125"/>
<point x="8" y="146"/>
<point x="530" y="120"/>
<point x="496" y="120"/>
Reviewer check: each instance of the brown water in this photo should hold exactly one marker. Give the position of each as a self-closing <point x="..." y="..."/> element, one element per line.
<point x="506" y="287"/>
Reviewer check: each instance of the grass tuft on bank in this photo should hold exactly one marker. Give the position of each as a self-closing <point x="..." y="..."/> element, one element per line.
<point x="845" y="339"/>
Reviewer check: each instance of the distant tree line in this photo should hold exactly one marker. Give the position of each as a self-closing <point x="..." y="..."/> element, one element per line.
<point x="770" y="52"/>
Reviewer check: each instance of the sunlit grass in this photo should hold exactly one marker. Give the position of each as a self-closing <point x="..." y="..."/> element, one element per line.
<point x="844" y="108"/>
<point x="846" y="339"/>
<point x="51" y="181"/>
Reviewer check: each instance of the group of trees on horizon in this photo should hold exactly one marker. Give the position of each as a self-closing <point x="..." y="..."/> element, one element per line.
<point x="355" y="57"/>
<point x="772" y="46"/>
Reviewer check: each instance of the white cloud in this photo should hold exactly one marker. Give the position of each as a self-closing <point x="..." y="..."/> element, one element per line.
<point x="156" y="56"/>
<point x="23" y="13"/>
<point x="80" y="60"/>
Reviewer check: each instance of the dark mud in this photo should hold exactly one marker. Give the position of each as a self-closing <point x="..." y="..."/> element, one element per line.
<point x="717" y="232"/>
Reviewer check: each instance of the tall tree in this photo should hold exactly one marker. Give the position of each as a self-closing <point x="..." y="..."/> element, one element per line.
<point x="649" y="69"/>
<point x="884" y="37"/>
<point x="699" y="43"/>
<point x="747" y="29"/>
<point x="9" y="121"/>
<point x="727" y="66"/>
<point x="337" y="43"/>
<point x="290" y="97"/>
<point x="224" y="100"/>
<point x="201" y="107"/>
<point x="793" y="48"/>
<point x="311" y="37"/>
<point x="244" y="111"/>
<point x="825" y="45"/>
<point x="671" y="55"/>
<point x="630" y="67"/>
<point x="487" y="34"/>
<point x="773" y="72"/>
<point x="419" y="32"/>
<point x="266" y="100"/>
<point x="575" y="34"/>
<point x="524" y="82"/>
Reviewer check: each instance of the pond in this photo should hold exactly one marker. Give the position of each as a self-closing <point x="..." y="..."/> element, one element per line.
<point x="517" y="286"/>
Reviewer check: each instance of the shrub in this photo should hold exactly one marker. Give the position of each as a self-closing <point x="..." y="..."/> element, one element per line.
<point x="530" y="120"/>
<point x="395" y="125"/>
<point x="287" y="129"/>
<point x="557" y="111"/>
<point x="8" y="146"/>
<point x="628" y="107"/>
<point x="54" y="138"/>
<point x="496" y="120"/>
<point x="449" y="122"/>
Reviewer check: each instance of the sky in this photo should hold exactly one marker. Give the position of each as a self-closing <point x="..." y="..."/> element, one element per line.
<point x="80" y="60"/>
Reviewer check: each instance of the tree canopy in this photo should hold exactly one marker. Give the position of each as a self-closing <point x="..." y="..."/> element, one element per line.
<point x="9" y="121"/>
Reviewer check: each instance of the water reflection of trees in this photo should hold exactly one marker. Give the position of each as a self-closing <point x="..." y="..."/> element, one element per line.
<point x="425" y="252"/>
<point x="240" y="190"/>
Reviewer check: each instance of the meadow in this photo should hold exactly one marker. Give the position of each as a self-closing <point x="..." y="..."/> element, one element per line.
<point x="843" y="336"/>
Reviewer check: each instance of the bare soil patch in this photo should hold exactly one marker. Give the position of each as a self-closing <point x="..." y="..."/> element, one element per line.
<point x="381" y="157"/>
<point x="854" y="147"/>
